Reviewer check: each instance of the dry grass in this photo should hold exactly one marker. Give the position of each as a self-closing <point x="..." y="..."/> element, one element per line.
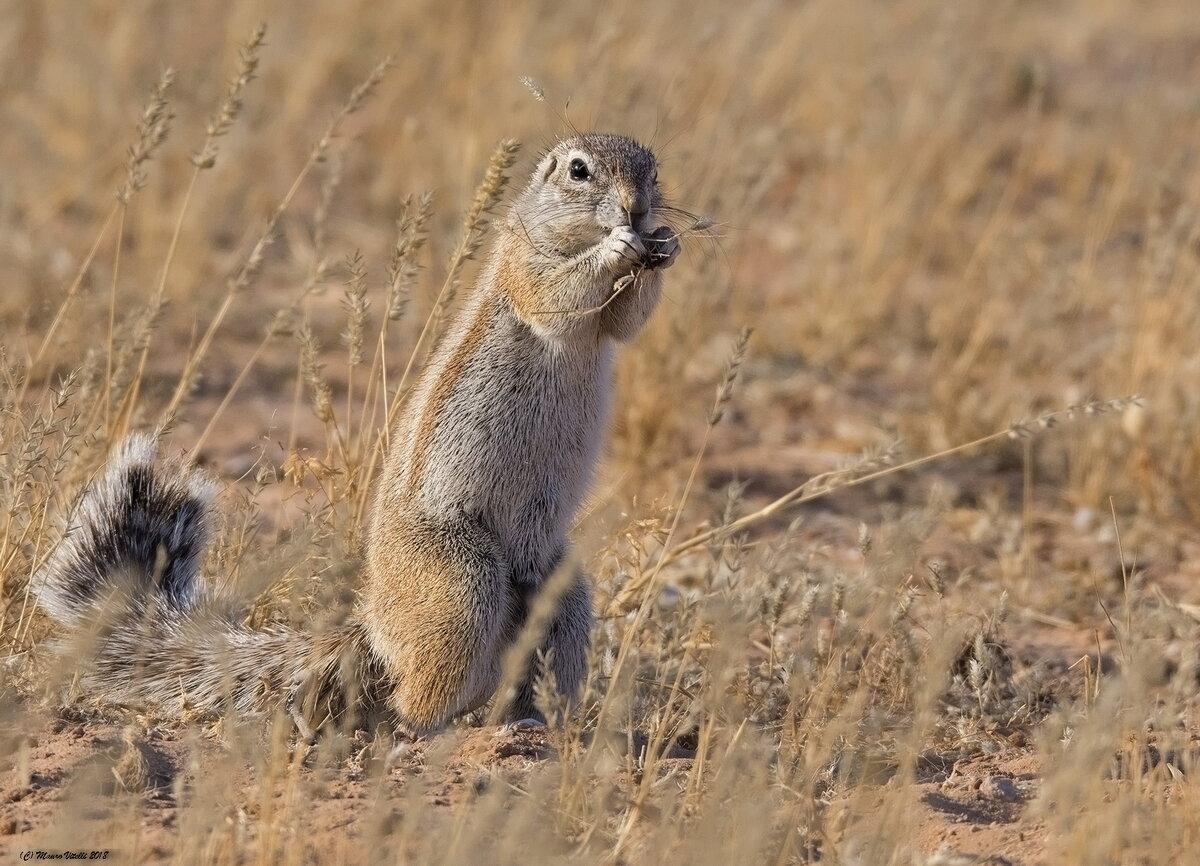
<point x="938" y="218"/>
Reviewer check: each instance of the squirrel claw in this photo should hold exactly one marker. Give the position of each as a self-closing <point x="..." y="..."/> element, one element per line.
<point x="294" y="704"/>
<point x="303" y="728"/>
<point x="402" y="748"/>
<point x="623" y="249"/>
<point x="662" y="247"/>
<point x="519" y="726"/>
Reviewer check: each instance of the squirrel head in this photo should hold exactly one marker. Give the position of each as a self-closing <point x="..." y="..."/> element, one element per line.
<point x="586" y="186"/>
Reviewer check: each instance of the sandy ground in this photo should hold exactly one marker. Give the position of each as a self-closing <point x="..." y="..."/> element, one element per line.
<point x="979" y="805"/>
<point x="974" y="806"/>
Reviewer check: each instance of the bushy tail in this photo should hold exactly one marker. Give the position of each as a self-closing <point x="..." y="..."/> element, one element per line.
<point x="140" y="529"/>
<point x="124" y="582"/>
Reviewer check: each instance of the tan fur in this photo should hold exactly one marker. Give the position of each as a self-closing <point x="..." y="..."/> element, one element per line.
<point x="518" y="281"/>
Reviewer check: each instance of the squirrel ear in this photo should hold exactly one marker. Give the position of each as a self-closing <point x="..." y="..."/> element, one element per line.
<point x="550" y="166"/>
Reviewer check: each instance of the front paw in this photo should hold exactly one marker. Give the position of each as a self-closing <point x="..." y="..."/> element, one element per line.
<point x="623" y="250"/>
<point x="662" y="248"/>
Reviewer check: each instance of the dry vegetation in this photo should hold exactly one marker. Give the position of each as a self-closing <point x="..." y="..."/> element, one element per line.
<point x="937" y="217"/>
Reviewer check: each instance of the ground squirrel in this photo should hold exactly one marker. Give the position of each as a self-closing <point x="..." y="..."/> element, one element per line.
<point x="490" y="459"/>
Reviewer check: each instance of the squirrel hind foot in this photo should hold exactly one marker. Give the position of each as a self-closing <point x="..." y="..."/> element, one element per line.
<point x="337" y="685"/>
<point x="520" y="726"/>
<point x="141" y="527"/>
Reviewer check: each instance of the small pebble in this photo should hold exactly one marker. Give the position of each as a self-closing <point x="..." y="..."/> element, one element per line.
<point x="1000" y="788"/>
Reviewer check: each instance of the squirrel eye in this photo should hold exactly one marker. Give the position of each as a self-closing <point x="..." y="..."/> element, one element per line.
<point x="578" y="170"/>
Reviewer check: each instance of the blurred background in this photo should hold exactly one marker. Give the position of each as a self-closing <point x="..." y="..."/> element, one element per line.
<point x="944" y="222"/>
<point x="955" y="214"/>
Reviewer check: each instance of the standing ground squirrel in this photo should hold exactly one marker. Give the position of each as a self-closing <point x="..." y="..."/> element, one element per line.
<point x="490" y="460"/>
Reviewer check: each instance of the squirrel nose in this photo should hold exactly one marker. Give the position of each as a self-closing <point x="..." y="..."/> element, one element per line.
<point x="637" y="206"/>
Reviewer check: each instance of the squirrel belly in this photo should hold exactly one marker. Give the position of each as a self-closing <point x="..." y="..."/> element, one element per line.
<point x="507" y="428"/>
<point x="472" y="514"/>
<point x="491" y="457"/>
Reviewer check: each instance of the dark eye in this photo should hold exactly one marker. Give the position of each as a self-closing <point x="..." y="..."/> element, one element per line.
<point x="578" y="170"/>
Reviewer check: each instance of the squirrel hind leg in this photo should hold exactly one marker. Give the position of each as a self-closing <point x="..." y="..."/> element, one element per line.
<point x="142" y="526"/>
<point x="437" y="611"/>
<point x="448" y="668"/>
<point x="339" y="684"/>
